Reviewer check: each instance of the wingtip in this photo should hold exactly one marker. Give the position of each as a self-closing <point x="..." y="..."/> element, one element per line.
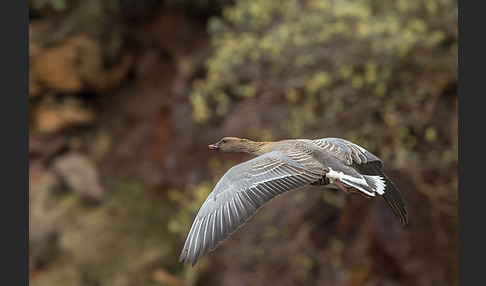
<point x="401" y="214"/>
<point x="183" y="255"/>
<point x="186" y="261"/>
<point x="184" y="258"/>
<point x="405" y="219"/>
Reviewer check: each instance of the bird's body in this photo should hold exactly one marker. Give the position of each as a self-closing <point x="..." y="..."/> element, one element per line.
<point x="279" y="167"/>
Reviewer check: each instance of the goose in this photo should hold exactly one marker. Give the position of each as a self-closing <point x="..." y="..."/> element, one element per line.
<point x="279" y="167"/>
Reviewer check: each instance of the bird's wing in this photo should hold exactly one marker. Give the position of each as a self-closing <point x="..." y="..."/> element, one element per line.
<point x="241" y="192"/>
<point x="346" y="151"/>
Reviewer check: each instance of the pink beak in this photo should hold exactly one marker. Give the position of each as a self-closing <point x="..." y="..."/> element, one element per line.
<point x="214" y="146"/>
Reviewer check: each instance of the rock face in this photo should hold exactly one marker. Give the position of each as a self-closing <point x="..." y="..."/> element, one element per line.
<point x="80" y="175"/>
<point x="119" y="165"/>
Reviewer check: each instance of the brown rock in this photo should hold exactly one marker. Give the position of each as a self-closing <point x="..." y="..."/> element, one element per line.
<point x="34" y="87"/>
<point x="163" y="277"/>
<point x="53" y="117"/>
<point x="73" y="65"/>
<point x="56" y="68"/>
<point x="81" y="175"/>
<point x="42" y="217"/>
<point x="36" y="170"/>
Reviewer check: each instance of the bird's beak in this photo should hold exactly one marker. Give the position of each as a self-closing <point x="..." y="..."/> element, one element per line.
<point x="214" y="146"/>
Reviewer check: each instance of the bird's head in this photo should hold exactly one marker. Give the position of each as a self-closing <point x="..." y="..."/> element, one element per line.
<point x="230" y="145"/>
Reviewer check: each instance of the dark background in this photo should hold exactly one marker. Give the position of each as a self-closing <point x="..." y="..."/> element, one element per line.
<point x="125" y="96"/>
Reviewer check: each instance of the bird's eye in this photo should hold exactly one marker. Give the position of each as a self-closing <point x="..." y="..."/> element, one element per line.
<point x="224" y="141"/>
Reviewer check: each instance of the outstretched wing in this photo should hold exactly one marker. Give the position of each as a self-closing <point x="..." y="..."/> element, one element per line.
<point x="241" y="192"/>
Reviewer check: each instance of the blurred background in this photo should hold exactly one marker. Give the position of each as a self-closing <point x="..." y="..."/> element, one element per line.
<point x="125" y="96"/>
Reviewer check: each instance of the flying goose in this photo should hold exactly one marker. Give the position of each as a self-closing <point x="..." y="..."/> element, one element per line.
<point x="279" y="167"/>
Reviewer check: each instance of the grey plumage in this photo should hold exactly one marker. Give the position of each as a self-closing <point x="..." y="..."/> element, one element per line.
<point x="280" y="167"/>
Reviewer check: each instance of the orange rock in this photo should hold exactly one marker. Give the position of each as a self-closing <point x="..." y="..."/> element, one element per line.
<point x="56" y="68"/>
<point x="165" y="278"/>
<point x="57" y="117"/>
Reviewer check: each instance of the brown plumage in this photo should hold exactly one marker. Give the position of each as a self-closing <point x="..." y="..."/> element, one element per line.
<point x="279" y="167"/>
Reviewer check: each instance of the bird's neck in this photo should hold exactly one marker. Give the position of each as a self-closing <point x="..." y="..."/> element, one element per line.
<point x="256" y="148"/>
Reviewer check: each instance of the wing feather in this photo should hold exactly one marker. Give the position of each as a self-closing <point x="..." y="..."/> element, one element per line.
<point x="366" y="163"/>
<point x="345" y="150"/>
<point x="241" y="192"/>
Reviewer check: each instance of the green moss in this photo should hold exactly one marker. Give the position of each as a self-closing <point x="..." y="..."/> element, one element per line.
<point x="188" y="202"/>
<point x="58" y="5"/>
<point x="334" y="66"/>
<point x="304" y="38"/>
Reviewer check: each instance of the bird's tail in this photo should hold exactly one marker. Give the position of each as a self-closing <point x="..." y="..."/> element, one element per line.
<point x="395" y="201"/>
<point x="391" y="194"/>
